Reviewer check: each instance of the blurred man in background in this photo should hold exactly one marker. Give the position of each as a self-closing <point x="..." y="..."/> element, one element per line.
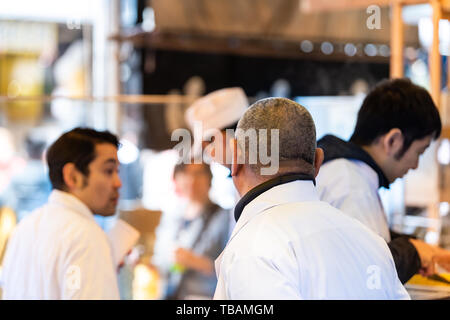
<point x="10" y="165"/>
<point x="31" y="187"/>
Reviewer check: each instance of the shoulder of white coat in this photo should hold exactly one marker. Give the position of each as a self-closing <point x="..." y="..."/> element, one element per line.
<point x="88" y="230"/>
<point x="343" y="174"/>
<point x="87" y="239"/>
<point x="29" y="222"/>
<point x="295" y="221"/>
<point x="75" y="228"/>
<point x="270" y="231"/>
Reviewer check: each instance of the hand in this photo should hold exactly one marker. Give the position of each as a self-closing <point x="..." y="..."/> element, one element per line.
<point x="426" y="253"/>
<point x="189" y="259"/>
<point x="441" y="259"/>
<point x="430" y="256"/>
<point x="183" y="256"/>
<point x="122" y="263"/>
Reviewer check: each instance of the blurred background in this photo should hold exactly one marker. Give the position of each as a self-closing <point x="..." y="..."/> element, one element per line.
<point x="134" y="66"/>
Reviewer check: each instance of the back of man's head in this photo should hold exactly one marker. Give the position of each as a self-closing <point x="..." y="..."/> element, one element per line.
<point x="76" y="146"/>
<point x="398" y="104"/>
<point x="285" y="130"/>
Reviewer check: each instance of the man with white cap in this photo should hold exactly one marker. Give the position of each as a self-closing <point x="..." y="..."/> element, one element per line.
<point x="211" y="116"/>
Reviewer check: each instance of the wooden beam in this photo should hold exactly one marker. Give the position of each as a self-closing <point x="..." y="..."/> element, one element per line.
<point x="434" y="54"/>
<point x="311" y="6"/>
<point x="445" y="5"/>
<point x="445" y="133"/>
<point x="242" y="45"/>
<point x="145" y="99"/>
<point x="397" y="34"/>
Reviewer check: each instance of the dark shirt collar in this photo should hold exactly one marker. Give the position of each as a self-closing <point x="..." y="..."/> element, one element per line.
<point x="263" y="187"/>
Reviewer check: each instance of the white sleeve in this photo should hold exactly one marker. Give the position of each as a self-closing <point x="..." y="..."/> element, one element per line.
<point x="358" y="205"/>
<point x="366" y="209"/>
<point x="87" y="270"/>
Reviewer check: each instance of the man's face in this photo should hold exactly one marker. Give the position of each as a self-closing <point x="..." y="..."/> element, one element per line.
<point x="100" y="191"/>
<point x="398" y="167"/>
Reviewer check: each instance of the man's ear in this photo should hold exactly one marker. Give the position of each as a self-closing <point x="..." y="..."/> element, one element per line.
<point x="318" y="160"/>
<point x="392" y="142"/>
<point x="72" y="177"/>
<point x="235" y="155"/>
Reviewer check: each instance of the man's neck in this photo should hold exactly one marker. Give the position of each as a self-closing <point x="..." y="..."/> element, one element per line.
<point x="252" y="180"/>
<point x="245" y="185"/>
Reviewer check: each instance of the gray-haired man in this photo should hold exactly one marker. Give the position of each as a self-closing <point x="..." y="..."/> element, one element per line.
<point x="287" y="244"/>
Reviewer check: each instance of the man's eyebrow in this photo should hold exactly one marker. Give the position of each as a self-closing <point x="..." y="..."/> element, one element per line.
<point x="111" y="160"/>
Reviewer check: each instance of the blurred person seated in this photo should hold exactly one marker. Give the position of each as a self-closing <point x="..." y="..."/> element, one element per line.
<point x="10" y="164"/>
<point x="191" y="238"/>
<point x="31" y="186"/>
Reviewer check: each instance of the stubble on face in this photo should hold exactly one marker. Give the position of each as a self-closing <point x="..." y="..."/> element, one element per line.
<point x="101" y="190"/>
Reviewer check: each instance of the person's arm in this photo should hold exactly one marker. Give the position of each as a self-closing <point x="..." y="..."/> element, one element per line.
<point x="214" y="240"/>
<point x="413" y="256"/>
<point x="190" y="260"/>
<point x="431" y="256"/>
<point x="406" y="258"/>
<point x="395" y="234"/>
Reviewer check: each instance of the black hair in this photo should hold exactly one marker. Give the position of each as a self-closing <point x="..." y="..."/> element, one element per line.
<point x="76" y="146"/>
<point x="397" y="103"/>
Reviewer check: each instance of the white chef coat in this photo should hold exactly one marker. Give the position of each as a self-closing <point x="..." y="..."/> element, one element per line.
<point x="352" y="187"/>
<point x="289" y="245"/>
<point x="59" y="252"/>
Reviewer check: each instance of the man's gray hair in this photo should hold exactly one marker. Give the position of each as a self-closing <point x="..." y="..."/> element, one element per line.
<point x="295" y="138"/>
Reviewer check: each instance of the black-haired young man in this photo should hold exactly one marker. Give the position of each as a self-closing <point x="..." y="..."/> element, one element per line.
<point x="396" y="124"/>
<point x="58" y="251"/>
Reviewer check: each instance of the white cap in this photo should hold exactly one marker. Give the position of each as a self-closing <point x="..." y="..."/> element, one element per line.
<point x="218" y="110"/>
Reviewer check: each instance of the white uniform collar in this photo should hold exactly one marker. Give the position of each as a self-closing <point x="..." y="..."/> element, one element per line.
<point x="67" y="200"/>
<point x="263" y="187"/>
<point x="294" y="191"/>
